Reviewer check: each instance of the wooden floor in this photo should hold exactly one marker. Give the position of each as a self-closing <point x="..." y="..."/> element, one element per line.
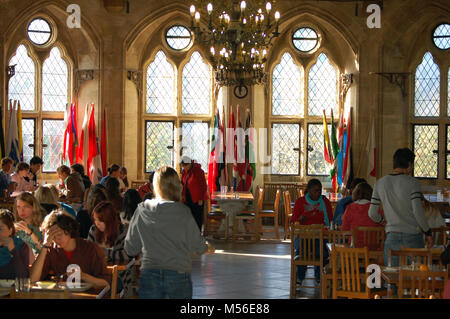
<point x="247" y="270"/>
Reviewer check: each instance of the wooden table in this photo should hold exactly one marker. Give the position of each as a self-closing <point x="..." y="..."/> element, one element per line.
<point x="231" y="203"/>
<point x="443" y="205"/>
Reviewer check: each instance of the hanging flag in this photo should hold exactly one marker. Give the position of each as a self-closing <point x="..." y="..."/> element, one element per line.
<point x="103" y="144"/>
<point x="240" y="151"/>
<point x="75" y="134"/>
<point x="2" y="136"/>
<point x="221" y="150"/>
<point x="64" y="154"/>
<point x="334" y="151"/>
<point x="13" y="139"/>
<point x="94" y="162"/>
<point x="372" y="151"/>
<point x="327" y="155"/>
<point x="231" y="147"/>
<point x="212" y="164"/>
<point x="19" y="131"/>
<point x="250" y="162"/>
<point x="347" y="172"/>
<point x="83" y="149"/>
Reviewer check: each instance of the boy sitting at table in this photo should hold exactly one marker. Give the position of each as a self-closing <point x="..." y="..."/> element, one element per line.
<point x="62" y="247"/>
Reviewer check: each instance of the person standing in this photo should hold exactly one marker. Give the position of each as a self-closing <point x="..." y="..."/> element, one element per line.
<point x="194" y="188"/>
<point x="400" y="195"/>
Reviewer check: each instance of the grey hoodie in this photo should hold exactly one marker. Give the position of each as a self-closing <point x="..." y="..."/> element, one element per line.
<point x="165" y="234"/>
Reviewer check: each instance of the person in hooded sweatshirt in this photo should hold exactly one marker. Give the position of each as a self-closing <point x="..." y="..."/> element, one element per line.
<point x="164" y="233"/>
<point x="194" y="188"/>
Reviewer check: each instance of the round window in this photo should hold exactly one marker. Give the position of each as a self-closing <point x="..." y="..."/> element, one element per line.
<point x="305" y="39"/>
<point x="441" y="36"/>
<point x="39" y="31"/>
<point x="178" y="37"/>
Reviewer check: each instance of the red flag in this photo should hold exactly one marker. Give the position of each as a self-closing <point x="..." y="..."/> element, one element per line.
<point x="212" y="164"/>
<point x="372" y="151"/>
<point x="103" y="143"/>
<point x="74" y="159"/>
<point x="66" y="119"/>
<point x="84" y="138"/>
<point x="70" y="145"/>
<point x="94" y="170"/>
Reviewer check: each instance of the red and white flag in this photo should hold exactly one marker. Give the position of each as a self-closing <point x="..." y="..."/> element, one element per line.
<point x="103" y="144"/>
<point x="94" y="161"/>
<point x="83" y="150"/>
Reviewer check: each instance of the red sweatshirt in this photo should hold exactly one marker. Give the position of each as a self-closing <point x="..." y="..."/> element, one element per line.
<point x="195" y="181"/>
<point x="311" y="212"/>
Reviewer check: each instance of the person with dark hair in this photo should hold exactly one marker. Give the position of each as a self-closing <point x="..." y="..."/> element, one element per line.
<point x="165" y="233"/>
<point x="194" y="188"/>
<point x="400" y="195"/>
<point x="147" y="187"/>
<point x="35" y="166"/>
<point x="96" y="194"/>
<point x="63" y="247"/>
<point x="112" y="191"/>
<point x="131" y="199"/>
<point x="80" y="169"/>
<point x="73" y="193"/>
<point x="20" y="178"/>
<point x="14" y="253"/>
<point x="357" y="213"/>
<point x="343" y="202"/>
<point x="113" y="171"/>
<point x="123" y="179"/>
<point x="313" y="208"/>
<point x="5" y="179"/>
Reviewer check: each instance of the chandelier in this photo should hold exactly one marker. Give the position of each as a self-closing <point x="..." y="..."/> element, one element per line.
<point x="237" y="36"/>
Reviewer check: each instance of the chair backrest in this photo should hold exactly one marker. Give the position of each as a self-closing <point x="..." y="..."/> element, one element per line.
<point x="114" y="272"/>
<point x="339" y="237"/>
<point x="372" y="237"/>
<point x="422" y="284"/>
<point x="417" y="255"/>
<point x="287" y="203"/>
<point x="310" y="238"/>
<point x="441" y="235"/>
<point x="260" y="198"/>
<point x="349" y="267"/>
<point x="276" y="204"/>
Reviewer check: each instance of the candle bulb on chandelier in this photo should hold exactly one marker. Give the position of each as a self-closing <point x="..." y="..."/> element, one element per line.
<point x="268" y="7"/>
<point x="209" y="8"/>
<point x="192" y="10"/>
<point x="197" y="17"/>
<point x="243" y="6"/>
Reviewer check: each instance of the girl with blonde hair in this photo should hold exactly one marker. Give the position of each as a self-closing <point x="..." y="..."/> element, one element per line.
<point x="28" y="217"/>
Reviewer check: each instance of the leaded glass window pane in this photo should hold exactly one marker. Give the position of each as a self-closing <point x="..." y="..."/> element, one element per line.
<point x="194" y="142"/>
<point x="316" y="163"/>
<point x="160" y="85"/>
<point x="305" y="39"/>
<point x="441" y="36"/>
<point x="322" y="87"/>
<point x="426" y="138"/>
<point x="53" y="131"/>
<point x="287" y="90"/>
<point x="427" y="85"/>
<point x="178" y="37"/>
<point x="196" y="94"/>
<point x="28" y="131"/>
<point x="39" y="31"/>
<point x="22" y="85"/>
<point x="285" y="149"/>
<point x="158" y="145"/>
<point x="54" y="82"/>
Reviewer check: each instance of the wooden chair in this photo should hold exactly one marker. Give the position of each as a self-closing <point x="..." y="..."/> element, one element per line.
<point x="307" y="236"/>
<point x="441" y="236"/>
<point x="417" y="255"/>
<point x="212" y="219"/>
<point x="287" y="212"/>
<point x="114" y="272"/>
<point x="373" y="238"/>
<point x="416" y="284"/>
<point x="249" y="217"/>
<point x="349" y="266"/>
<point x="271" y="214"/>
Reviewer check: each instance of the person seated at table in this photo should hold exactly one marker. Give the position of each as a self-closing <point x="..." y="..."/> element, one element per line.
<point x="343" y="202"/>
<point x="131" y="199"/>
<point x="28" y="217"/>
<point x="113" y="171"/>
<point x="80" y="169"/>
<point x="165" y="233"/>
<point x="109" y="233"/>
<point x="18" y="177"/>
<point x="433" y="214"/>
<point x="357" y="213"/>
<point x="46" y="199"/>
<point x="147" y="187"/>
<point x="112" y="191"/>
<point x="123" y="179"/>
<point x="96" y="195"/>
<point x="313" y="208"/>
<point x="14" y="253"/>
<point x="5" y="179"/>
<point x="62" y="247"/>
<point x="73" y="191"/>
<point x="35" y="166"/>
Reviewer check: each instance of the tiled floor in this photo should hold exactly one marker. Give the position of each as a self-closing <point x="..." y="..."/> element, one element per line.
<point x="241" y="270"/>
